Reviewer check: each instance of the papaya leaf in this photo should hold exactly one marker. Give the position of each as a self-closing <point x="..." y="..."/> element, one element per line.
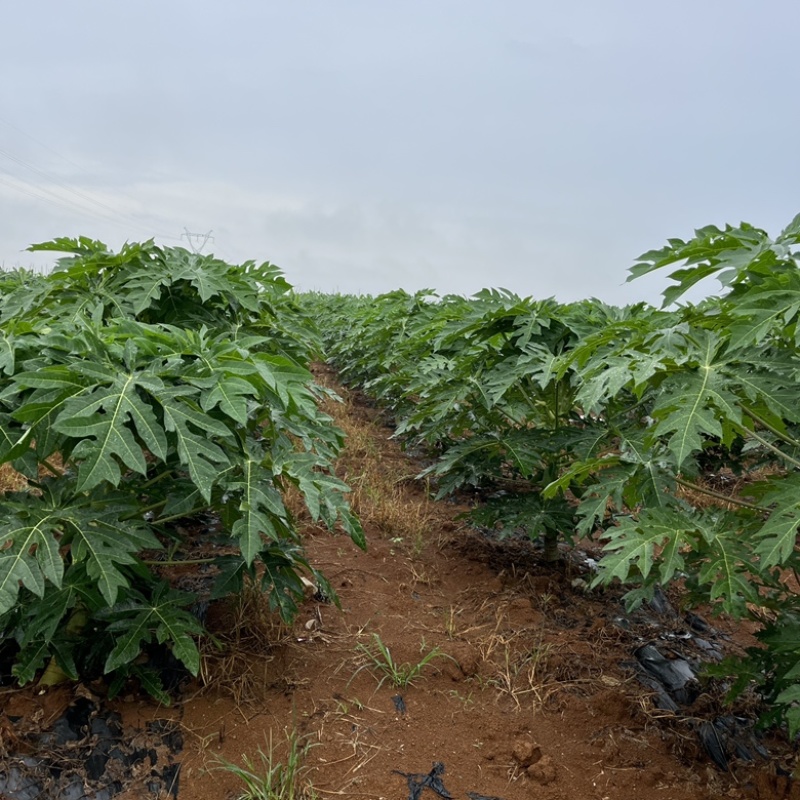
<point x="777" y="537"/>
<point x="635" y="545"/>
<point x="202" y="457"/>
<point x="231" y="395"/>
<point x="139" y="620"/>
<point x="100" y="419"/>
<point x="29" y="554"/>
<point x="104" y="546"/>
<point x="261" y="512"/>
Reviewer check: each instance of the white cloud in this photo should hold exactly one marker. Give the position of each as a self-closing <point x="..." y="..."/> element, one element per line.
<point x="364" y="146"/>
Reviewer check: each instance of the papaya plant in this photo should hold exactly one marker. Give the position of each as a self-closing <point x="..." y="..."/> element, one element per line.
<point x="141" y="389"/>
<point x="723" y="379"/>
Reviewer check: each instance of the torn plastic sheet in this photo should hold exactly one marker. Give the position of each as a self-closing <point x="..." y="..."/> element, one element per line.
<point x="675" y="674"/>
<point x="675" y="687"/>
<point x="399" y="704"/>
<point x="418" y="783"/>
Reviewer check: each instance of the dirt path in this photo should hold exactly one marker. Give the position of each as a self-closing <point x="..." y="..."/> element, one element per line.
<point x="532" y="694"/>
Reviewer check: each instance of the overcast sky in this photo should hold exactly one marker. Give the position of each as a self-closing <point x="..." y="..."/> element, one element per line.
<point x="369" y="145"/>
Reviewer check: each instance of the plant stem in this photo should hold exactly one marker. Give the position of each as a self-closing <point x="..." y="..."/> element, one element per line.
<point x="764" y="424"/>
<point x="719" y="496"/>
<point x="785" y="456"/>
<point x="59" y="473"/>
<point x="160" y="476"/>
<point x="189" y="513"/>
<point x="144" y="509"/>
<point x="550" y="541"/>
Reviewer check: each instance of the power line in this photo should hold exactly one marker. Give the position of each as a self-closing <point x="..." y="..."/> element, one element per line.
<point x="37" y="194"/>
<point x="97" y="209"/>
<point x="87" y="198"/>
<point x="40" y="143"/>
<point x="104" y="207"/>
<point x="107" y="213"/>
<point x="48" y="196"/>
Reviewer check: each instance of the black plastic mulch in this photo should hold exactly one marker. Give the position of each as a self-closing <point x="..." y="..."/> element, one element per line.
<point x="418" y="783"/>
<point x="669" y="664"/>
<point x="476" y="796"/>
<point x="87" y="755"/>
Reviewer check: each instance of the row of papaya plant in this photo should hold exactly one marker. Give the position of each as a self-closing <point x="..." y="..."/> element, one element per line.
<point x="583" y="420"/>
<point x="139" y="390"/>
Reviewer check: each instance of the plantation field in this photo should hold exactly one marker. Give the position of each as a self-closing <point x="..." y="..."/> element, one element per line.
<point x="540" y="698"/>
<point x="333" y="545"/>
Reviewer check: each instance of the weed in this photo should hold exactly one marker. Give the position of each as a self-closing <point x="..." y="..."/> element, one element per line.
<point x="343" y="705"/>
<point x="379" y="658"/>
<point x="271" y="779"/>
<point x="465" y="701"/>
<point x="546" y="600"/>
<point x="395" y="540"/>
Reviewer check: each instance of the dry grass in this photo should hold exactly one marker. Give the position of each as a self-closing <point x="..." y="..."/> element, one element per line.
<point x="517" y="667"/>
<point x="11" y="480"/>
<point x="249" y="657"/>
<point x="515" y="664"/>
<point x="381" y="478"/>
